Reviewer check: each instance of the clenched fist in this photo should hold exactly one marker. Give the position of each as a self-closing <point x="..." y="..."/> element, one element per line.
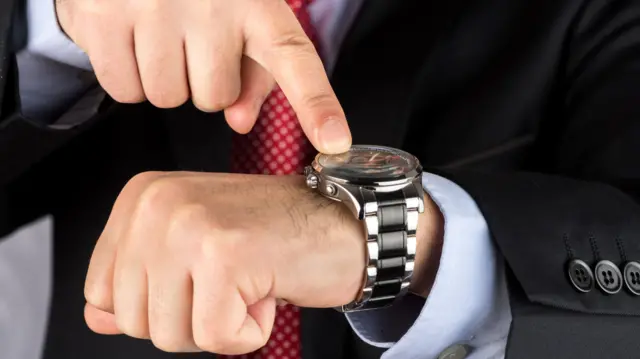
<point x="197" y="262"/>
<point x="225" y="55"/>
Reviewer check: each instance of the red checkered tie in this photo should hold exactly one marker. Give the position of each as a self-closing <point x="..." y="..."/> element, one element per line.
<point x="277" y="146"/>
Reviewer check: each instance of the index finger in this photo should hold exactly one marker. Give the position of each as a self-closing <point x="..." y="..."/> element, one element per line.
<point x="276" y="40"/>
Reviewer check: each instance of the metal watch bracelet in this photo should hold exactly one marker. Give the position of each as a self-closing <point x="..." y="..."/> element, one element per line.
<point x="391" y="221"/>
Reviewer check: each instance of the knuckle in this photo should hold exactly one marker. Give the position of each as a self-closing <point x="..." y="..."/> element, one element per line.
<point x="131" y="327"/>
<point x="190" y="214"/>
<point x="212" y="250"/>
<point x="210" y="338"/>
<point x="166" y="98"/>
<point x="163" y="191"/>
<point x="228" y="342"/>
<point x="144" y="177"/>
<point x="228" y="97"/>
<point x="157" y="196"/>
<point x="211" y="106"/>
<point x="169" y="343"/>
<point x="164" y="87"/>
<point x="224" y="246"/>
<point x="293" y="42"/>
<point x="218" y="89"/>
<point x="123" y="90"/>
<point x="318" y="100"/>
<point x="97" y="296"/>
<point x="127" y="96"/>
<point x="188" y="221"/>
<point x="137" y="183"/>
<point x="215" y="102"/>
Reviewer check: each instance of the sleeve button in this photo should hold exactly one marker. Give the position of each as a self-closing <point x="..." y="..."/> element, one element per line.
<point x="580" y="276"/>
<point x="608" y="277"/>
<point x="632" y="277"/>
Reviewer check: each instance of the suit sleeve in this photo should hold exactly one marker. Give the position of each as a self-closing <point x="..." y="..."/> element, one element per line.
<point x="585" y="207"/>
<point x="42" y="76"/>
<point x="47" y="39"/>
<point x="25" y="142"/>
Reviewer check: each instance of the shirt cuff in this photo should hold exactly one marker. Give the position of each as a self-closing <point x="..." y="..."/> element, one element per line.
<point x="468" y="303"/>
<point x="48" y="40"/>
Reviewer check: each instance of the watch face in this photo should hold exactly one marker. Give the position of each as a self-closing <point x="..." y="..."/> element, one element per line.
<point x="368" y="163"/>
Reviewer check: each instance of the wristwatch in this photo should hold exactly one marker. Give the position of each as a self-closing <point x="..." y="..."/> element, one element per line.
<point x="382" y="186"/>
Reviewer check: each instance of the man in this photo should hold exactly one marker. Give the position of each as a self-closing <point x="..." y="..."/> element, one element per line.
<point x="529" y="110"/>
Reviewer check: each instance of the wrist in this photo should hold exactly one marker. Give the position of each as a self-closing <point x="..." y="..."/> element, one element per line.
<point x="331" y="257"/>
<point x="429" y="242"/>
<point x="429" y="238"/>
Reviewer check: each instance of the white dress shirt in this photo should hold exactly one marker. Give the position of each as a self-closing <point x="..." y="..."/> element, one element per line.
<point x="468" y="304"/>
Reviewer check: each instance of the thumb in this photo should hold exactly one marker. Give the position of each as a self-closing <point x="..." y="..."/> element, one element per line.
<point x="99" y="321"/>
<point x="257" y="83"/>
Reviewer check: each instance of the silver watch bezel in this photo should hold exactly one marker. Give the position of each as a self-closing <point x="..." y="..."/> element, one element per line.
<point x="372" y="181"/>
<point x="345" y="189"/>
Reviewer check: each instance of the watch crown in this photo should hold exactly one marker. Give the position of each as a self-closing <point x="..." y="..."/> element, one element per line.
<point x="312" y="181"/>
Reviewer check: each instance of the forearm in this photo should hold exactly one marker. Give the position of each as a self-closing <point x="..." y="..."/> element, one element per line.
<point x="42" y="101"/>
<point x="47" y="39"/>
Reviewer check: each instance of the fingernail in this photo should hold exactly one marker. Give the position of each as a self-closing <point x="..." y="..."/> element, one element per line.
<point x="334" y="136"/>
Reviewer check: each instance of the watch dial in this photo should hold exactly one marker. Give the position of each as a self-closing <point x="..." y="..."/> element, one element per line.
<point x="368" y="162"/>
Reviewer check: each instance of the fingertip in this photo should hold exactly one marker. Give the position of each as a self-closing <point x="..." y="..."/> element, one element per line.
<point x="240" y="118"/>
<point x="333" y="136"/>
<point x="99" y="321"/>
<point x="96" y="295"/>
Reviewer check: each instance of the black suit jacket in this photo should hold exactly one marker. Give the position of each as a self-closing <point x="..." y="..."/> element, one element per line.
<point x="533" y="107"/>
